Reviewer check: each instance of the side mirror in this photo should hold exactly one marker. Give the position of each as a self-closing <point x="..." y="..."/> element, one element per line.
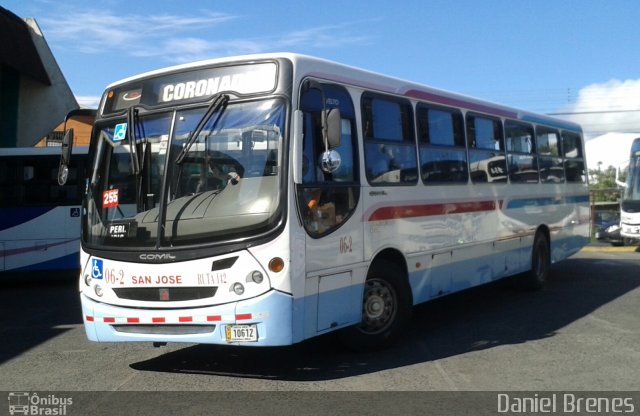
<point x="330" y="161"/>
<point x="65" y="157"/>
<point x="332" y="124"/>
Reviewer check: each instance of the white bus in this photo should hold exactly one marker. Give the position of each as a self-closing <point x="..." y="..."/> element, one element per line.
<point x="39" y="220"/>
<point x="630" y="204"/>
<point x="263" y="200"/>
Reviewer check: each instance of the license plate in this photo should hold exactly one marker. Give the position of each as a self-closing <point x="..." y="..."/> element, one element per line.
<point x="236" y="333"/>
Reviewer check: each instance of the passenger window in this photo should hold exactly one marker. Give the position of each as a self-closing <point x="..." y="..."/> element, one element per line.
<point x="390" y="152"/>
<point x="486" y="149"/>
<point x="522" y="162"/>
<point x="574" y="169"/>
<point x="10" y="186"/>
<point x="443" y="156"/>
<point x="550" y="161"/>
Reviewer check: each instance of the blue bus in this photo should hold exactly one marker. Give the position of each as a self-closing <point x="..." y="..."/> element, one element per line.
<point x="39" y="220"/>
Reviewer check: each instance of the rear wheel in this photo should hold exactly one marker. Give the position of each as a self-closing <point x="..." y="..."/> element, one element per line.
<point x="386" y="308"/>
<point x="540" y="263"/>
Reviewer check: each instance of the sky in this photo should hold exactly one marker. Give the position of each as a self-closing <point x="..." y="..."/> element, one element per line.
<point x="548" y="56"/>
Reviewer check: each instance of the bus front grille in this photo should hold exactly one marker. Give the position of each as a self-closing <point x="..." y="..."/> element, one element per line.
<point x="165" y="294"/>
<point x="165" y="329"/>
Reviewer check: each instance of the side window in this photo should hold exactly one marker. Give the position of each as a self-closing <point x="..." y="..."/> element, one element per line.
<point x="443" y="155"/>
<point x="71" y="192"/>
<point x="486" y="149"/>
<point x="39" y="176"/>
<point x="10" y="184"/>
<point x="574" y="169"/>
<point x="549" y="155"/>
<point x="327" y="200"/>
<point x="522" y="163"/>
<point x="390" y="151"/>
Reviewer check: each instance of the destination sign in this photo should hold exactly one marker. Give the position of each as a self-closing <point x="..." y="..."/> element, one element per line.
<point x="192" y="86"/>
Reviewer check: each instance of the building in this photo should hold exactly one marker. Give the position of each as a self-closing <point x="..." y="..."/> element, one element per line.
<point x="34" y="95"/>
<point x="81" y="121"/>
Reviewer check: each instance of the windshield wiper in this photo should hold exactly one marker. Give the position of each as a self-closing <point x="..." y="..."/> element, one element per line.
<point x="138" y="158"/>
<point x="132" y="115"/>
<point x="218" y="103"/>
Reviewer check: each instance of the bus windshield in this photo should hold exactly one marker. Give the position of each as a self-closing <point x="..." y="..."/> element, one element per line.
<point x="632" y="190"/>
<point x="220" y="185"/>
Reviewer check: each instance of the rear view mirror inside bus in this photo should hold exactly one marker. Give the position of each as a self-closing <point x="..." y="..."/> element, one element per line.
<point x="65" y="157"/>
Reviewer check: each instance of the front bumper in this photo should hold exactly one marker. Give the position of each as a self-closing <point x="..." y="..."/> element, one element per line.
<point x="270" y="312"/>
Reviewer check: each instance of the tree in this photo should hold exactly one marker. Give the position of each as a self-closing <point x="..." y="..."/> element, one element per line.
<point x="603" y="184"/>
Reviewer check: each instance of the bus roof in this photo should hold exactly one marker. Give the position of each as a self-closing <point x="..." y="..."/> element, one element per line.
<point x="305" y="65"/>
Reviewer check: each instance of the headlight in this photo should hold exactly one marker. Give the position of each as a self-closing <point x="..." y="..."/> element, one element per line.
<point x="612" y="228"/>
<point x="238" y="288"/>
<point x="256" y="277"/>
<point x="98" y="290"/>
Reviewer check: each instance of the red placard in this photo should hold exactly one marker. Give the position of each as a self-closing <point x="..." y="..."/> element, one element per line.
<point x="110" y="198"/>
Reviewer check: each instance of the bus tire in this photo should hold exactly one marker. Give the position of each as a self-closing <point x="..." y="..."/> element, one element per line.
<point x="386" y="309"/>
<point x="540" y="263"/>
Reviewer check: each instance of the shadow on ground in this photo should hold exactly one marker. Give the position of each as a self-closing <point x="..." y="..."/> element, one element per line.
<point x="476" y="319"/>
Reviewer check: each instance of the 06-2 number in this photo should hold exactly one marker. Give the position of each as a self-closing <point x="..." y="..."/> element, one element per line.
<point x="346" y="244"/>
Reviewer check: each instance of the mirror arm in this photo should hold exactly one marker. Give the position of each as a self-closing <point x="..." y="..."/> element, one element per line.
<point x="65" y="157"/>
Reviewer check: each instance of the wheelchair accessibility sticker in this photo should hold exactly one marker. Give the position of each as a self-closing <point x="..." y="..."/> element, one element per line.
<point x="96" y="269"/>
<point x="120" y="132"/>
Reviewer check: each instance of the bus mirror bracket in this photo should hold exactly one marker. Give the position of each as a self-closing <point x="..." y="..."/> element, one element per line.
<point x="65" y="157"/>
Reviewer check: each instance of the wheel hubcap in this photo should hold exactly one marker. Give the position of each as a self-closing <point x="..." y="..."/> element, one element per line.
<point x="378" y="307"/>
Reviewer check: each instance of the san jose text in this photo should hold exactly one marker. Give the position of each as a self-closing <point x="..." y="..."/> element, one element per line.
<point x="120" y="277"/>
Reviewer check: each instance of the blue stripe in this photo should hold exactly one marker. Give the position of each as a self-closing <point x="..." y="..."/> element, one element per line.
<point x="546" y="201"/>
<point x="531" y="202"/>
<point x="10" y="217"/>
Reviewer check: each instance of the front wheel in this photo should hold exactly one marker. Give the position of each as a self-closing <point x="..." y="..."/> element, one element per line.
<point x="540" y="263"/>
<point x="386" y="308"/>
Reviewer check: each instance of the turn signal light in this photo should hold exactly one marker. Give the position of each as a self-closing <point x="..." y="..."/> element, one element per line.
<point x="276" y="264"/>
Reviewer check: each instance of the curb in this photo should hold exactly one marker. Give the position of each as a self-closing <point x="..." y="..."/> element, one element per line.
<point x="628" y="249"/>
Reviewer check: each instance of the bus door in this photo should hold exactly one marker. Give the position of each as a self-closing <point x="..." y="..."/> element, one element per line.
<point x="328" y="204"/>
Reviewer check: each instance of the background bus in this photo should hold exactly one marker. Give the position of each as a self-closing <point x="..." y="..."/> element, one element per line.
<point x="267" y="199"/>
<point x="630" y="203"/>
<point x="39" y="220"/>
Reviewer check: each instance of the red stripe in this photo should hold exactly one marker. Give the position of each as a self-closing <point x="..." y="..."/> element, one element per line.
<point x="157" y="320"/>
<point x="185" y="319"/>
<point x="243" y="316"/>
<point x="133" y="320"/>
<point x="456" y="102"/>
<point x="214" y="318"/>
<point x="427" y="210"/>
<point x="89" y="318"/>
<point x="31" y="248"/>
<point x="109" y="320"/>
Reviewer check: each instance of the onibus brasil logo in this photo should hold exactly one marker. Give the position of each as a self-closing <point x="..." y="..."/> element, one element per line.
<point x="22" y="403"/>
